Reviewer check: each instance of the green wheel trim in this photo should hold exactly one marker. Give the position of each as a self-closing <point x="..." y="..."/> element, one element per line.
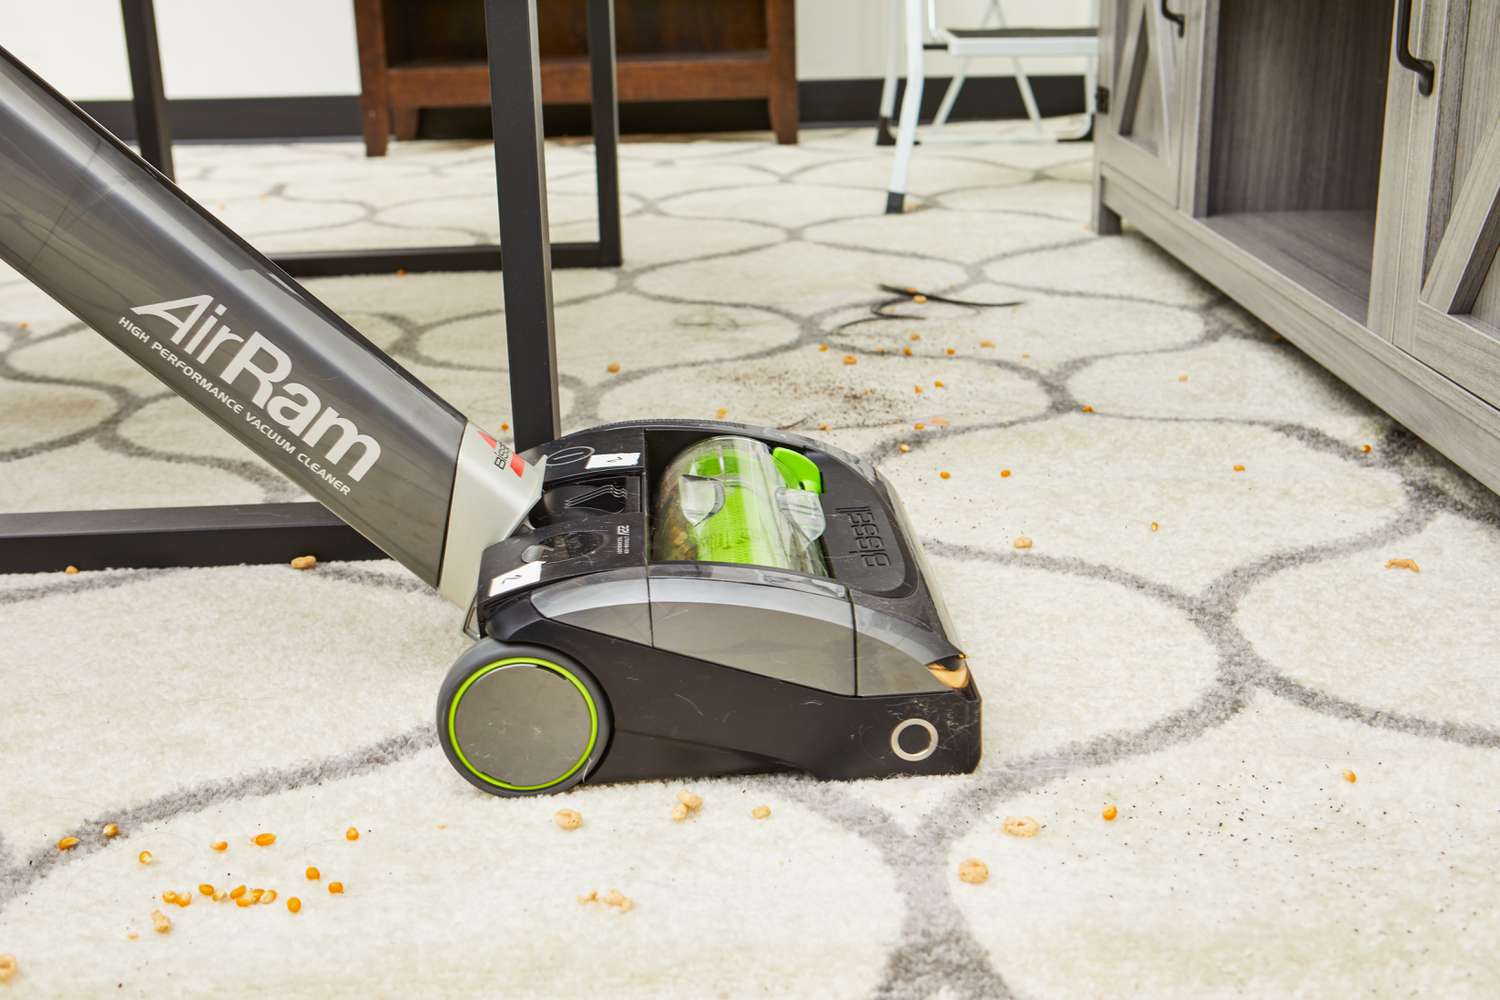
<point x="532" y="661"/>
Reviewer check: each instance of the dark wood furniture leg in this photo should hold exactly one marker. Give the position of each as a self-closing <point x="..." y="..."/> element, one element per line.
<point x="404" y="122"/>
<point x="374" y="100"/>
<point x="781" y="45"/>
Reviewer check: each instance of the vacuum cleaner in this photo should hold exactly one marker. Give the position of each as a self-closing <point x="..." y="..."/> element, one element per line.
<point x="652" y="599"/>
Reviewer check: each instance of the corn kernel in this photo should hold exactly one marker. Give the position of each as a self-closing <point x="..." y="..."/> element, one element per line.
<point x="144" y="857"/>
<point x="1087" y="408"/>
<point x="268" y="898"/>
<point x="920" y="300"/>
<point x="351" y="834"/>
<point x="822" y="348"/>
<point x="904" y="447"/>
<point x="220" y="896"/>
<point x="974" y="872"/>
<point x="244" y="902"/>
<point x="304" y="562"/>
<point x="254" y="895"/>
<point x="1350" y="776"/>
<point x="1239" y="468"/>
<point x="169" y="896"/>
<point x="850" y="359"/>
<point x="1022" y="542"/>
<point x="294" y="905"/>
<point x="1004" y="473"/>
<point x="986" y="343"/>
<point x="504" y="426"/>
<point x="918" y="389"/>
<point x="1021" y="826"/>
<point x="400" y="272"/>
<point x="1109" y="813"/>
<point x="111" y="831"/>
<point x="613" y="367"/>
<point x="915" y="337"/>
<point x="949" y="351"/>
<point x="690" y="799"/>
<point x="312" y="874"/>
<point x="8" y="967"/>
<point x="71" y="571"/>
<point x="237" y="892"/>
<point x="67" y="843"/>
<point x="1182" y="378"/>
<point x="721" y="413"/>
<point x="945" y="474"/>
<point x="220" y="845"/>
<point x="679" y="812"/>
<point x="822" y="427"/>
<point x="567" y="819"/>
<point x="761" y="812"/>
<point x="206" y="889"/>
<point x="1365" y="448"/>
<point x="618" y="900"/>
<point x="336" y="888"/>
<point x="264" y="839"/>
<point x="1410" y="564"/>
<point x="132" y="936"/>
<point x="919" y="427"/>
<point x="592" y="897"/>
<point x="906" y="352"/>
<point x="1155" y="526"/>
<point x="184" y="899"/>
<point x="160" y="922"/>
<point x="938" y="383"/>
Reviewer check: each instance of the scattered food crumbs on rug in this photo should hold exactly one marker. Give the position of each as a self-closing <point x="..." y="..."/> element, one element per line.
<point x="940" y="421"/>
<point x="1239" y="468"/>
<point x="304" y="562"/>
<point x="1350" y="776"/>
<point x="822" y="427"/>
<point x="761" y="812"/>
<point x="8" y="967"/>
<point x="1004" y="473"/>
<point x="504" y="426"/>
<point x="67" y="843"/>
<point x="132" y="936"/>
<point x="915" y="336"/>
<point x="1022" y="542"/>
<point x="144" y="857"/>
<point x="1365" y="448"/>
<point x="850" y="359"/>
<point x="938" y="384"/>
<point x="1155" y="526"/>
<point x="237" y="891"/>
<point x="822" y="347"/>
<point x="160" y="922"/>
<point x="903" y="447"/>
<point x="1109" y="813"/>
<point x="945" y="474"/>
<point x="690" y="799"/>
<point x="618" y="900"/>
<point x="679" y="812"/>
<point x="204" y="889"/>
<point x="919" y="426"/>
<point x="400" y="271"/>
<point x="336" y="888"/>
<point x="613" y="367"/>
<point x="721" y="413"/>
<point x="592" y="897"/>
<point x="1021" y="826"/>
<point x="1025" y="354"/>
<point x="71" y="571"/>
<point x="986" y="343"/>
<point x="567" y="819"/>
<point x="1087" y="408"/>
<point x="906" y="351"/>
<point x="351" y="834"/>
<point x="917" y="389"/>
<point x="263" y="839"/>
<point x="312" y="874"/>
<point x="973" y="871"/>
<point x="110" y="831"/>
<point x="220" y="845"/>
<point x="268" y="898"/>
<point x="293" y="904"/>
<point x="1410" y="564"/>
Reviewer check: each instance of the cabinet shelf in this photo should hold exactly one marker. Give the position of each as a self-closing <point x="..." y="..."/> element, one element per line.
<point x="1326" y="252"/>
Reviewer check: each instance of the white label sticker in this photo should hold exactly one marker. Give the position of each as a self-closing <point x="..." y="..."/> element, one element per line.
<point x="614" y="460"/>
<point x="521" y="576"/>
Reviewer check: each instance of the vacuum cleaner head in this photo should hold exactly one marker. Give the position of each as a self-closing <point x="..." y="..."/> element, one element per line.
<point x="702" y="598"/>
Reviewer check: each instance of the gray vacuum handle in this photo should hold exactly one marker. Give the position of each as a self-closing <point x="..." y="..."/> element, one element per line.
<point x="131" y="255"/>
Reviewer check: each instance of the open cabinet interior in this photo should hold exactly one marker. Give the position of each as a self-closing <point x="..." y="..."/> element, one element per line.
<point x="1299" y="108"/>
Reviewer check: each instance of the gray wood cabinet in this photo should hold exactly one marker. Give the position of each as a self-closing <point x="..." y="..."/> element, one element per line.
<point x="1281" y="149"/>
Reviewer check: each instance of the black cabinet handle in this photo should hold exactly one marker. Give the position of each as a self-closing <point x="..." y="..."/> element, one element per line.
<point x="1425" y="70"/>
<point x="1177" y="19"/>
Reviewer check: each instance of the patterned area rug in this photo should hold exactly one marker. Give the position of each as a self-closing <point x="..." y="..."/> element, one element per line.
<point x="1298" y="738"/>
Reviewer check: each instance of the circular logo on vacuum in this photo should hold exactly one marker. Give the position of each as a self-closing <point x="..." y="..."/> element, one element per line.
<point x="571" y="455"/>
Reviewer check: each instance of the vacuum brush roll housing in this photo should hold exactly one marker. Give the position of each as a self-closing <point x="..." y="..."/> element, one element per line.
<point x="702" y="598"/>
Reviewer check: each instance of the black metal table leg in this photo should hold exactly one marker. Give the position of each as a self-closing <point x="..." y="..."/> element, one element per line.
<point x="149" y="100"/>
<point x="604" y="113"/>
<point x="516" y="111"/>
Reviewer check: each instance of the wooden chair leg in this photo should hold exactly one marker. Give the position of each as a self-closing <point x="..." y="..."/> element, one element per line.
<point x="374" y="107"/>
<point x="404" y="121"/>
<point x="781" y="45"/>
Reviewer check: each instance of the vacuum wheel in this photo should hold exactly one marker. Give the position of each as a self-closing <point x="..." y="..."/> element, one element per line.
<point x="521" y="720"/>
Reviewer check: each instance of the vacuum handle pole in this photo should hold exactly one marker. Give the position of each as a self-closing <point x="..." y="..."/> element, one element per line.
<point x="133" y="257"/>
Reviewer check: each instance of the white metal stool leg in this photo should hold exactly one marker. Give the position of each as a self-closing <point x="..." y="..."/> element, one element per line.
<point x="894" y="38"/>
<point x="911" y="107"/>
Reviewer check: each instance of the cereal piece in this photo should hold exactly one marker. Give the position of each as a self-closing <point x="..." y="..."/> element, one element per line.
<point x="268" y="898"/>
<point x="1155" y="526"/>
<point x="264" y="839"/>
<point x="986" y="343"/>
<point x="220" y="896"/>
<point x="915" y="337"/>
<point x="613" y="367"/>
<point x="974" y="872"/>
<point x="1022" y="542"/>
<point x="144" y="857"/>
<point x="949" y="351"/>
<point x="1365" y="448"/>
<point x="906" y="352"/>
<point x="206" y="889"/>
<point x="293" y="905"/>
<point x="184" y="899"/>
<point x="567" y="819"/>
<point x="904" y="447"/>
<point x="945" y="474"/>
<point x="1182" y="378"/>
<point x="169" y="896"/>
<point x="351" y="834"/>
<point x="254" y="895"/>
<point x="8" y="967"/>
<point x="504" y="426"/>
<point x="304" y="562"/>
<point x="1109" y="813"/>
<point x="592" y="897"/>
<point x="1350" y="776"/>
<point x="918" y="389"/>
<point x="850" y="359"/>
<point x="111" y="831"/>
<point x="940" y="422"/>
<point x="880" y="350"/>
<point x="71" y="571"/>
<point x="919" y="299"/>
<point x="822" y="427"/>
<point x="1239" y="468"/>
<point x="721" y="413"/>
<point x="761" y="812"/>
<point x="1025" y="354"/>
<point x="1004" y="473"/>
<point x="312" y="874"/>
<point x="938" y="384"/>
<point x="1021" y="826"/>
<point x="237" y="892"/>
<point x="132" y="936"/>
<point x="160" y="922"/>
<point x="400" y="271"/>
<point x="679" y="812"/>
<point x="689" y="799"/>
<point x="67" y="843"/>
<point x="336" y="888"/>
<point x="919" y="427"/>
<point x="1410" y="564"/>
<point x="1087" y="408"/>
<point x="823" y="348"/>
<point x="220" y="845"/>
<point x="245" y="902"/>
<point x="618" y="900"/>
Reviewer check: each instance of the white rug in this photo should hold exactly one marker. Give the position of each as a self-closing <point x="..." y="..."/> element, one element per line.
<point x="1206" y="649"/>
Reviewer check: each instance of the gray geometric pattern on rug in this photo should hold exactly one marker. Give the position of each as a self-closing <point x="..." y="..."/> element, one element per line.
<point x="992" y="221"/>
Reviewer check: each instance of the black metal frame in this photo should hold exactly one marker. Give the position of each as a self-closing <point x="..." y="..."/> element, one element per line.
<point x="276" y="532"/>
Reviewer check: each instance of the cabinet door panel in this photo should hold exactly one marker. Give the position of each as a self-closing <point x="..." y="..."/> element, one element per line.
<point x="1141" y="135"/>
<point x="1455" y="316"/>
